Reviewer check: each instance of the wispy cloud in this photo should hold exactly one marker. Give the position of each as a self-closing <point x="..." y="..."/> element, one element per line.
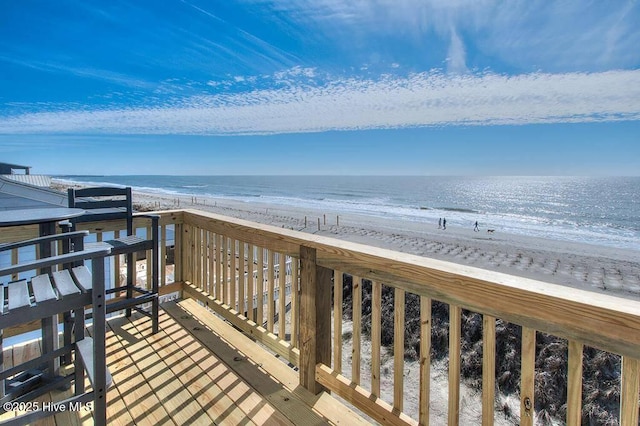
<point x="571" y="35"/>
<point x="424" y="99"/>
<point x="456" y="61"/>
<point x="82" y="72"/>
<point x="530" y="35"/>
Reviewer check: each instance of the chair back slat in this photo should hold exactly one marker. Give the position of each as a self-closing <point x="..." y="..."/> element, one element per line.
<point x="101" y="191"/>
<point x="103" y="203"/>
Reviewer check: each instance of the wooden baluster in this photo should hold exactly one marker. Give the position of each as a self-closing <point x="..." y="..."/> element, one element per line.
<point x="260" y="288"/>
<point x="357" y="329"/>
<point x="211" y="253"/>
<point x="398" y="348"/>
<point x="178" y="255"/>
<point x="225" y="272"/>
<point x="376" y="336"/>
<point x="282" y="291"/>
<point x="337" y="320"/>
<point x="206" y="260"/>
<point x="528" y="372"/>
<point x="488" y="369"/>
<point x="187" y="250"/>
<point x="202" y="258"/>
<point x="295" y="302"/>
<point x="629" y="387"/>
<point x="574" y="383"/>
<point x="233" y="273"/>
<point x="204" y="263"/>
<point x="425" y="360"/>
<point x="241" y="280"/>
<point x="271" y="292"/>
<point x="251" y="282"/>
<point x="220" y="274"/>
<point x="455" y="330"/>
<point x="198" y="259"/>
<point x="163" y="256"/>
<point x="116" y="267"/>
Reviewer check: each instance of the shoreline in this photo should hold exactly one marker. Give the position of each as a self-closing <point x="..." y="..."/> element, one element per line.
<point x="598" y="268"/>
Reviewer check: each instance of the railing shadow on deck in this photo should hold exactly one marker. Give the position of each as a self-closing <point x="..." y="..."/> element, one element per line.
<point x="287" y="289"/>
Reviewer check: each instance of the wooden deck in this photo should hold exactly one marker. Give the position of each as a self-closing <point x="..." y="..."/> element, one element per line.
<point x="187" y="374"/>
<point x="174" y="377"/>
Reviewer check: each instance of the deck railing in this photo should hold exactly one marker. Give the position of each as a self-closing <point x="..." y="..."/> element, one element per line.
<point x="285" y="289"/>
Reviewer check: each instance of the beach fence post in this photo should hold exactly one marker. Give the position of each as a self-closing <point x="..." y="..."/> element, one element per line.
<point x="305" y="221"/>
<point x="324" y="218"/>
<point x="338" y="220"/>
<point x="315" y="318"/>
<point x="318" y="224"/>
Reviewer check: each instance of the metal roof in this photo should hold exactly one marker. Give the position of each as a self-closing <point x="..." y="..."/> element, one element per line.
<point x="37" y="180"/>
<point x="21" y="195"/>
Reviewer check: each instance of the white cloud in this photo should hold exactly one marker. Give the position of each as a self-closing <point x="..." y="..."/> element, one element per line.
<point x="570" y="35"/>
<point x="82" y="72"/>
<point x="296" y="71"/>
<point x="425" y="99"/>
<point x="456" y="61"/>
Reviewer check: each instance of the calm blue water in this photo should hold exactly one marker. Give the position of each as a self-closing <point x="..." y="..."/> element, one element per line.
<point x="597" y="210"/>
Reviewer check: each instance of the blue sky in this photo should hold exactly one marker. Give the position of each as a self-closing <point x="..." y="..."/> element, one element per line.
<point x="321" y="87"/>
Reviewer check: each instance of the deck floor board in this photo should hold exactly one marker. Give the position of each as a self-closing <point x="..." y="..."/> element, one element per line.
<point x="172" y="378"/>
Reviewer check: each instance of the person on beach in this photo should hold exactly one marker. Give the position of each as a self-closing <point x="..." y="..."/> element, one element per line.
<point x="475" y="227"/>
<point x="444" y="223"/>
<point x="439" y="223"/>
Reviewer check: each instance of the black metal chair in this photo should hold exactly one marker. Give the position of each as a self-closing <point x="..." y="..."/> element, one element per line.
<point x="43" y="297"/>
<point x="109" y="203"/>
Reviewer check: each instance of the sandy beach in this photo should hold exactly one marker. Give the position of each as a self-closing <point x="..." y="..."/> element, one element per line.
<point x="589" y="267"/>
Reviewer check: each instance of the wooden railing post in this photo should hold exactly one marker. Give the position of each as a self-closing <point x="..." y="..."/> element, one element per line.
<point x="187" y="247"/>
<point x="315" y="318"/>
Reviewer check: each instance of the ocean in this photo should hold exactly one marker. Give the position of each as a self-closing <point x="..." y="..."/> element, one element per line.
<point x="594" y="210"/>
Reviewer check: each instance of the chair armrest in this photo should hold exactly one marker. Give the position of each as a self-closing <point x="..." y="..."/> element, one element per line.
<point x="55" y="260"/>
<point x="45" y="239"/>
